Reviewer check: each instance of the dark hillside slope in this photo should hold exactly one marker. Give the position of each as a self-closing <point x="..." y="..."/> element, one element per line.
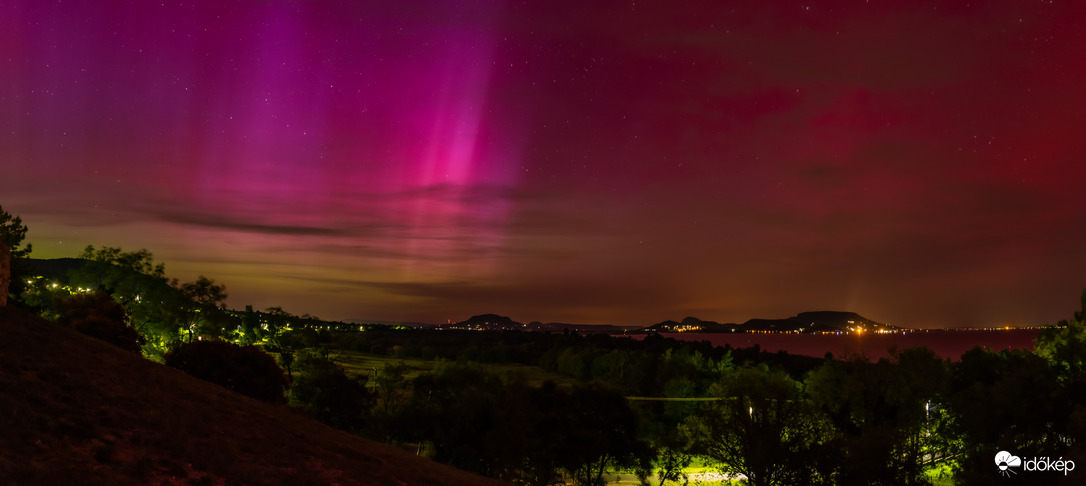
<point x="75" y="410"/>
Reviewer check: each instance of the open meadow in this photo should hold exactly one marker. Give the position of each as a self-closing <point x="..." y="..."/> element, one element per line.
<point x="367" y="364"/>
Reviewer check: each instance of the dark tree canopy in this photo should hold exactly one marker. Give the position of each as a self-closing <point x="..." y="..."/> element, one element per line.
<point x="98" y="315"/>
<point x="325" y="390"/>
<point x="764" y="428"/>
<point x="245" y="369"/>
<point x="12" y="233"/>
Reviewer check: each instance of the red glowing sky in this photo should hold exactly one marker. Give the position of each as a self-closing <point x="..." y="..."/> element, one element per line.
<point x="921" y="163"/>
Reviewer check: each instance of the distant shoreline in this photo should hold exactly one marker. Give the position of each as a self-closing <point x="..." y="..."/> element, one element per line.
<point x="946" y="343"/>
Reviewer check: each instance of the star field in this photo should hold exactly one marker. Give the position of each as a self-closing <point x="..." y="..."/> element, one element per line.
<point x="920" y="163"/>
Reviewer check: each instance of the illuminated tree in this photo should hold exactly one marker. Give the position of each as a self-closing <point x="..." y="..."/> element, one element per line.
<point x="1004" y="400"/>
<point x="887" y="414"/>
<point x="137" y="282"/>
<point x="279" y="337"/>
<point x="124" y="275"/>
<point x="202" y="308"/>
<point x="763" y="428"/>
<point x="165" y="312"/>
<point x="1065" y="346"/>
<point x="247" y="333"/>
<point x="672" y="459"/>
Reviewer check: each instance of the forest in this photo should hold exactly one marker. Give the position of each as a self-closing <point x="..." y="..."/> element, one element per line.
<point x="579" y="408"/>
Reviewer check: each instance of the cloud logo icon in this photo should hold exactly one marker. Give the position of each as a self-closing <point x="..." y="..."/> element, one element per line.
<point x="1005" y="460"/>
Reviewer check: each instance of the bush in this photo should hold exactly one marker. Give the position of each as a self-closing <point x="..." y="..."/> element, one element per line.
<point x="99" y="316"/>
<point x="324" y="389"/>
<point x="245" y="369"/>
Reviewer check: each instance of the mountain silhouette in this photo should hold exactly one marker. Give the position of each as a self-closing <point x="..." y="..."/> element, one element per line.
<point x="815" y="321"/>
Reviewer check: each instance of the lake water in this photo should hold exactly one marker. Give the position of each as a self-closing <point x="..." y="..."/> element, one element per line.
<point x="947" y="344"/>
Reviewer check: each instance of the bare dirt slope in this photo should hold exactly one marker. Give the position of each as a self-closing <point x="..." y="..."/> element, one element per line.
<point x="75" y="410"/>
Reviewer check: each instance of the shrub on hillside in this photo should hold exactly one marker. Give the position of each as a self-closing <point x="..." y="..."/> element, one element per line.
<point x="324" y="389"/>
<point x="245" y="369"/>
<point x="99" y="316"/>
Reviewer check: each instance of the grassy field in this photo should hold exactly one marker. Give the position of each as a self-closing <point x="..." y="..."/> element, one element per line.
<point x="700" y="473"/>
<point x="365" y="364"/>
<point x="696" y="478"/>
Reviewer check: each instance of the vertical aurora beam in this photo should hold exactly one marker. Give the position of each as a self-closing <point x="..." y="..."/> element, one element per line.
<point x="308" y="122"/>
<point x="445" y="222"/>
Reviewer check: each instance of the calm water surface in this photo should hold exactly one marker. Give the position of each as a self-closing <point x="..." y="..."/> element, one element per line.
<point x="947" y="344"/>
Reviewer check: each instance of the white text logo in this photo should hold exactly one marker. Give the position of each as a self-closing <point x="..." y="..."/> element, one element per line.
<point x="1005" y="461"/>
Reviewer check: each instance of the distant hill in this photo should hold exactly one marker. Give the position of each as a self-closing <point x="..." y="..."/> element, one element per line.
<point x="54" y="268"/>
<point x="817" y="321"/>
<point x="420" y="325"/>
<point x="835" y="321"/>
<point x="486" y="322"/>
<point x="692" y="324"/>
<point x="495" y="322"/>
<point x="79" y="411"/>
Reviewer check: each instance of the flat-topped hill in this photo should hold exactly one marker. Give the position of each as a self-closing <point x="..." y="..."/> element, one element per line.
<point x="817" y="321"/>
<point x="75" y="410"/>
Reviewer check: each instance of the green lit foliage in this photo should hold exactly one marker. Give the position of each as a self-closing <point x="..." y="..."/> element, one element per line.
<point x="245" y="369"/>
<point x="284" y="334"/>
<point x="1031" y="403"/>
<point x="390" y="382"/>
<point x="135" y="281"/>
<point x="124" y="275"/>
<point x="682" y="373"/>
<point x="887" y="415"/>
<point x="165" y="312"/>
<point x="1065" y="345"/>
<point x="672" y="457"/>
<point x="99" y="316"/>
<point x="764" y="428"/>
<point x="42" y="296"/>
<point x="1003" y="401"/>
<point x="201" y="308"/>
<point x="247" y="332"/>
<point x="645" y="370"/>
<point x="325" y="391"/>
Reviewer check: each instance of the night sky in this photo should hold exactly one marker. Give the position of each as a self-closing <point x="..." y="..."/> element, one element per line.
<point x="921" y="163"/>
